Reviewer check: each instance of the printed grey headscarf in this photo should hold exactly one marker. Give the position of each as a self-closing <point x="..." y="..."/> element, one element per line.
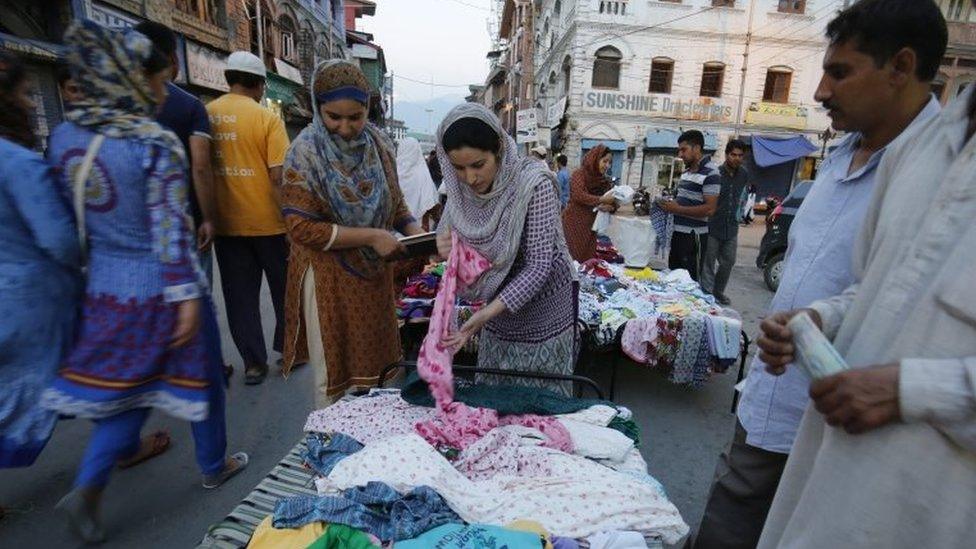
<point x="493" y="222"/>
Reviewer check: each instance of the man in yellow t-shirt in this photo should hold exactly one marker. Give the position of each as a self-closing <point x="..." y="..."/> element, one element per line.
<point x="250" y="144"/>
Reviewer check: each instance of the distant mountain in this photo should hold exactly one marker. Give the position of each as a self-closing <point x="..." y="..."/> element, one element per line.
<point x="414" y="113"/>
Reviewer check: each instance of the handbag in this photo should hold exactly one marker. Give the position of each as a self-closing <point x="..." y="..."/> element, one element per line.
<point x="78" y="190"/>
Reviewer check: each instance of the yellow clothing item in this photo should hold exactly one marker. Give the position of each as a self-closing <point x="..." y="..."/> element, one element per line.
<point x="646" y="274"/>
<point x="249" y="140"/>
<point x="534" y="527"/>
<point x="267" y="536"/>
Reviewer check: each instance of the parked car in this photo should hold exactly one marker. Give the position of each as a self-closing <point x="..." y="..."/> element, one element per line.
<point x="772" y="249"/>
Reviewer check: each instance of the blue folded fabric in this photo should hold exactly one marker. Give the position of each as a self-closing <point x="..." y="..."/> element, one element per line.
<point x="375" y="508"/>
<point x="323" y="452"/>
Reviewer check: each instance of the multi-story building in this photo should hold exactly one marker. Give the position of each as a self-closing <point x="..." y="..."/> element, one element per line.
<point x="369" y="56"/>
<point x="959" y="65"/>
<point x="290" y="35"/>
<point x="633" y="74"/>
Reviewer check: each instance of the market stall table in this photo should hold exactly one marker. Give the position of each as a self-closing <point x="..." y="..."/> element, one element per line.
<point x="292" y="477"/>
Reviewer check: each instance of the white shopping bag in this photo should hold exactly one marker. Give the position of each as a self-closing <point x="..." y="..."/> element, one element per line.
<point x="634" y="238"/>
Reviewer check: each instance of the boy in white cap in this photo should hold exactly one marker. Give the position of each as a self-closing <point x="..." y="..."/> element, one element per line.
<point x="250" y="143"/>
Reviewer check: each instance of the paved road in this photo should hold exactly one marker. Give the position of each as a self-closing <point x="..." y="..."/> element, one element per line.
<point x="161" y="504"/>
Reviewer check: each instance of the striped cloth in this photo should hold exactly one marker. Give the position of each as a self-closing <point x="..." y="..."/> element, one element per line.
<point x="288" y="479"/>
<point x="694" y="186"/>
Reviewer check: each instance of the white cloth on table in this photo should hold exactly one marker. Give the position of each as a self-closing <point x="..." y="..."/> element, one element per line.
<point x="598" y="414"/>
<point x="617" y="540"/>
<point x="597" y="442"/>
<point x="581" y="497"/>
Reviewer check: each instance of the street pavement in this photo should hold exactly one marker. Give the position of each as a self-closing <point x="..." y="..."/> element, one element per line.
<point x="161" y="504"/>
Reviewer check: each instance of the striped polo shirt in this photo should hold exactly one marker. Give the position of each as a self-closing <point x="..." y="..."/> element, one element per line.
<point x="692" y="189"/>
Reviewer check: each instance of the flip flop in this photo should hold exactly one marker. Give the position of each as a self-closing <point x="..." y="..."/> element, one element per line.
<point x="160" y="442"/>
<point x="211" y="482"/>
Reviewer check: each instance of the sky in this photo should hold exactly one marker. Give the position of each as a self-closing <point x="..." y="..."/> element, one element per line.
<point x="443" y="40"/>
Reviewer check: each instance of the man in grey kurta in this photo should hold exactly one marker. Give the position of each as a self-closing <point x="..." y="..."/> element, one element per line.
<point x="886" y="454"/>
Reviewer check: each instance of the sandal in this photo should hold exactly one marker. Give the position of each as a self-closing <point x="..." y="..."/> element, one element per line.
<point x="240" y="461"/>
<point x="159" y="442"/>
<point x="254" y="374"/>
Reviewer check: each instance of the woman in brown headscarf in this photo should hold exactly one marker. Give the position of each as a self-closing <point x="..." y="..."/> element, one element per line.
<point x="341" y="202"/>
<point x="586" y="190"/>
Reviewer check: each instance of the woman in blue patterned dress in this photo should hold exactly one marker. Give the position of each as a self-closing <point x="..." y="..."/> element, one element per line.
<point x="147" y="336"/>
<point x="39" y="276"/>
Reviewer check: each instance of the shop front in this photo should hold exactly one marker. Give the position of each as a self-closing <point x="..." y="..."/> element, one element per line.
<point x="661" y="167"/>
<point x="773" y="163"/>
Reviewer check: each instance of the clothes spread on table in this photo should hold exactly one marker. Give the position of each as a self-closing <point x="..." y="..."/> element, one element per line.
<point x="580" y="498"/>
<point x="395" y="485"/>
<point x="667" y="321"/>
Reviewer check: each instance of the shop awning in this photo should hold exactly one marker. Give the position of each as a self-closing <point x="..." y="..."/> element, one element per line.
<point x="612" y="144"/>
<point x="769" y="151"/>
<point x="31" y="48"/>
<point x="667" y="138"/>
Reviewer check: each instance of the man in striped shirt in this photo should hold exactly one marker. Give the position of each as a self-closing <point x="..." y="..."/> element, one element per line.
<point x="696" y="200"/>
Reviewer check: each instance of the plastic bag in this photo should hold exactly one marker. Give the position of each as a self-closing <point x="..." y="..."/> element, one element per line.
<point x="634" y="239"/>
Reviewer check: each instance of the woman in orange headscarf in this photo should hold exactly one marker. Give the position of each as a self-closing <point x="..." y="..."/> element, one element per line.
<point x="586" y="190"/>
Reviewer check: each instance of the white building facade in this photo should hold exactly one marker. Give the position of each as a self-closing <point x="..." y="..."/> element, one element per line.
<point x="634" y="74"/>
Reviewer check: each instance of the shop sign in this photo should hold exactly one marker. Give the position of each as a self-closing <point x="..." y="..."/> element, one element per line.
<point x="288" y="71"/>
<point x="706" y="109"/>
<point x="777" y="115"/>
<point x="554" y="114"/>
<point x="111" y="18"/>
<point x="526" y="126"/>
<point x="205" y="67"/>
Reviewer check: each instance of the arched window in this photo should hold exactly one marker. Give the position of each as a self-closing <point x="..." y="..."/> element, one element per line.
<point x="606" y="68"/>
<point x="289" y="38"/>
<point x="777" y="89"/>
<point x="567" y="69"/>
<point x="713" y="76"/>
<point x="662" y="74"/>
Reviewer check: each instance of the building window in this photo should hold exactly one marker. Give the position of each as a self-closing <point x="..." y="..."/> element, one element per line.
<point x="287" y="37"/>
<point x="723" y="3"/>
<point x="606" y="68"/>
<point x="287" y="45"/>
<point x="662" y="74"/>
<point x="777" y="88"/>
<point x="557" y="7"/>
<point x="792" y="6"/>
<point x="955" y="10"/>
<point x="205" y="10"/>
<point x="613" y="7"/>
<point x="567" y="73"/>
<point x="713" y="76"/>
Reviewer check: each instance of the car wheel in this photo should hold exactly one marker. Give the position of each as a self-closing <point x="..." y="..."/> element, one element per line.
<point x="773" y="271"/>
